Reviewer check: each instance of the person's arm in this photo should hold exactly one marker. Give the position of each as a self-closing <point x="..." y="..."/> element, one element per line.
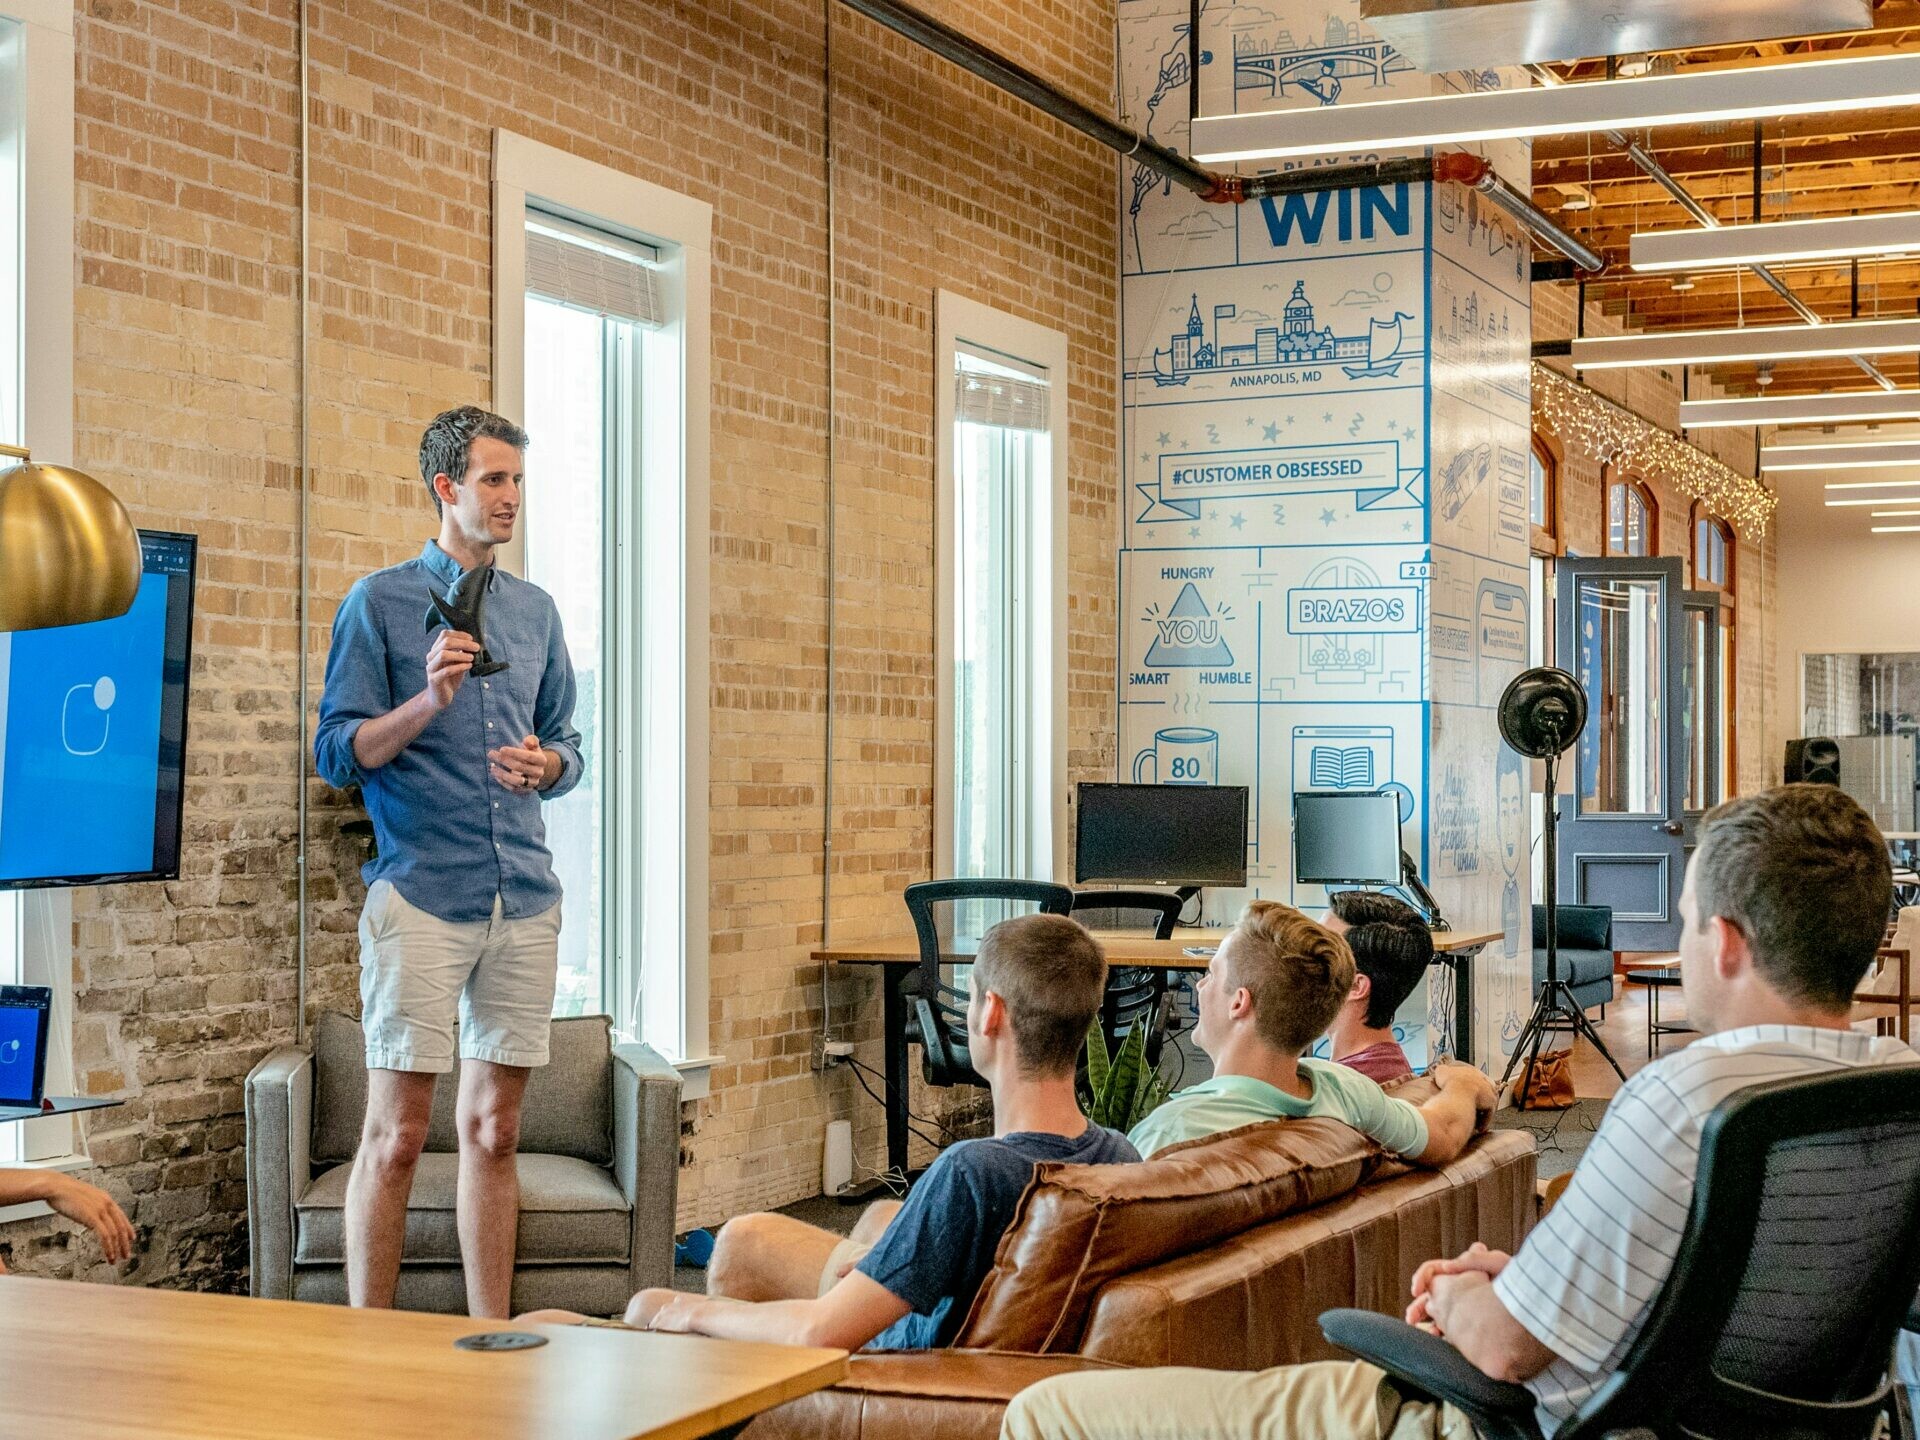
<point x="1470" y="1316"/>
<point x="553" y="718"/>
<point x="360" y="727"/>
<point x="1453" y="1115"/>
<point x="75" y="1199"/>
<point x="845" y="1318"/>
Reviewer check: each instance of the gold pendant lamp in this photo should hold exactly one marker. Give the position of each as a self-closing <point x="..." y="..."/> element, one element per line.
<point x="68" y="551"/>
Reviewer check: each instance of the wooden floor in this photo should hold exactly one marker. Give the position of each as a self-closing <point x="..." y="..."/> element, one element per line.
<point x="1625" y="1031"/>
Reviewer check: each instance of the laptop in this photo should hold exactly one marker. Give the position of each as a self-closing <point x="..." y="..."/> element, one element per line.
<point x="25" y="1014"/>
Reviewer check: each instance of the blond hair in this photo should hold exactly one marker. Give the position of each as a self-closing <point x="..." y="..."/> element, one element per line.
<point x="1052" y="975"/>
<point x="1298" y="972"/>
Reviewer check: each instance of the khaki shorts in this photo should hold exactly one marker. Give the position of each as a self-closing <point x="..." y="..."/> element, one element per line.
<point x="1328" y="1400"/>
<point x="846" y="1255"/>
<point x="419" y="975"/>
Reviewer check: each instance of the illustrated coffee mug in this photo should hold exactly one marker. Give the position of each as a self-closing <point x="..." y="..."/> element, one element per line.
<point x="1180" y="755"/>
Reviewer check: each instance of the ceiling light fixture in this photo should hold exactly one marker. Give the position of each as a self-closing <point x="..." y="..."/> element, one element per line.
<point x="1896" y="529"/>
<point x="1873" y="484"/>
<point x="1859" y="405"/>
<point x="1892" y="514"/>
<point x="1882" y="500"/>
<point x="1747" y="343"/>
<point x="1682" y="283"/>
<point x="1779" y="242"/>
<point x="1803" y="88"/>
<point x="1863" y="457"/>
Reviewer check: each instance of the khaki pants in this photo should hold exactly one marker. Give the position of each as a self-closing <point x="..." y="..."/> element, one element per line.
<point x="1331" y="1400"/>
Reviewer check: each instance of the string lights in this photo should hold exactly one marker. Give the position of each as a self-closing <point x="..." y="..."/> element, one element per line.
<point x="1577" y="416"/>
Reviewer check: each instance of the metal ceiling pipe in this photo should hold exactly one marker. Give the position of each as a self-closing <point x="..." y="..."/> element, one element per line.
<point x="975" y="58"/>
<point x="1476" y="174"/>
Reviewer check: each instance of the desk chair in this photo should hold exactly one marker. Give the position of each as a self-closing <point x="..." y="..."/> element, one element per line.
<point x="1798" y="1254"/>
<point x="949" y="917"/>
<point x="1133" y="992"/>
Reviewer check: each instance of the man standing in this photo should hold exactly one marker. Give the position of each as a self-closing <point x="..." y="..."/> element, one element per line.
<point x="462" y="916"/>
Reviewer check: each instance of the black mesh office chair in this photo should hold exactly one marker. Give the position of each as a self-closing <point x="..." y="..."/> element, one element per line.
<point x="949" y="917"/>
<point x="1133" y="992"/>
<point x="1798" y="1255"/>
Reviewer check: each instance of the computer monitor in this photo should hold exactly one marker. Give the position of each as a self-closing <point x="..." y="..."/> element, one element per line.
<point x="24" y="1013"/>
<point x="93" y="735"/>
<point x="1346" y="837"/>
<point x="1162" y="835"/>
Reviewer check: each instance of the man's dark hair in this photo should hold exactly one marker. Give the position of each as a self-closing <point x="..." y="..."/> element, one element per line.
<point x="1802" y="871"/>
<point x="1391" y="945"/>
<point x="1052" y="975"/>
<point x="444" y="446"/>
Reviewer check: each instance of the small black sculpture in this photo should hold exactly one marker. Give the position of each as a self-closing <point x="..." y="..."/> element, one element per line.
<point x="461" y="609"/>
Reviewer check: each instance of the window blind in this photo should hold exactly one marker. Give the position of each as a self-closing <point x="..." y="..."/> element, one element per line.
<point x="590" y="270"/>
<point x="994" y="389"/>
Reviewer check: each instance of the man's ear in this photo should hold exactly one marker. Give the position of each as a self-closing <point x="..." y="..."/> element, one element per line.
<point x="1362" y="987"/>
<point x="1732" y="955"/>
<point x="444" y="486"/>
<point x="1240" y="1003"/>
<point x="993" y="1014"/>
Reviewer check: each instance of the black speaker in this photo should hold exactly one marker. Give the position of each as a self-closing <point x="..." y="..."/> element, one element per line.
<point x="1815" y="759"/>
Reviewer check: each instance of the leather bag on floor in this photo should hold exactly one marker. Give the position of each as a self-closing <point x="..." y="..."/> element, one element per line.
<point x="1546" y="1083"/>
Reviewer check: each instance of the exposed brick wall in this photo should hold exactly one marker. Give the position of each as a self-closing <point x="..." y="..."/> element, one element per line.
<point x="1655" y="395"/>
<point x="187" y="375"/>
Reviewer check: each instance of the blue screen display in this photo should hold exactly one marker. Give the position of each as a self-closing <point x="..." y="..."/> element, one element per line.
<point x="19" y="1044"/>
<point x="92" y="721"/>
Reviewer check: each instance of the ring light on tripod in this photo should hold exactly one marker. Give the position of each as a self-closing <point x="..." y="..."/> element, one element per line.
<point x="1541" y="711"/>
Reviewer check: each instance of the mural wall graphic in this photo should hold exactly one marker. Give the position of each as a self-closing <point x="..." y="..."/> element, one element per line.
<point x="1322" y="562"/>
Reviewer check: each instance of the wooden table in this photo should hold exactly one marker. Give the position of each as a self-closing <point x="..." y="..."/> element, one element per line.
<point x="899" y="956"/>
<point x="100" y="1362"/>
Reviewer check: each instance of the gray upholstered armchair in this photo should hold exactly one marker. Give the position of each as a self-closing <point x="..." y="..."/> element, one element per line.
<point x="599" y="1169"/>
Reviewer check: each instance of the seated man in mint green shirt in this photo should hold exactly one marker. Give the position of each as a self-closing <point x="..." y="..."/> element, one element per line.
<point x="1272" y="989"/>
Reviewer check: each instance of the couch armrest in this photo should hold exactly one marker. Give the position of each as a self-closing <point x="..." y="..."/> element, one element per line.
<point x="279" y="1108"/>
<point x="907" y="1395"/>
<point x="646" y="1157"/>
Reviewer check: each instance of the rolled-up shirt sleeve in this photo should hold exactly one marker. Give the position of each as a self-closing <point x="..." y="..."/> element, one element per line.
<point x="356" y="689"/>
<point x="553" y="714"/>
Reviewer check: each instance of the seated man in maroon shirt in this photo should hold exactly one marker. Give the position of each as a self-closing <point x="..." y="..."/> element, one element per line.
<point x="1392" y="948"/>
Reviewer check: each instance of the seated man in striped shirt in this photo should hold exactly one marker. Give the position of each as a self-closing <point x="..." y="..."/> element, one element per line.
<point x="1785" y="902"/>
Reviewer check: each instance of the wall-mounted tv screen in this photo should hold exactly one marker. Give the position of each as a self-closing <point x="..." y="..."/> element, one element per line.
<point x="93" y="735"/>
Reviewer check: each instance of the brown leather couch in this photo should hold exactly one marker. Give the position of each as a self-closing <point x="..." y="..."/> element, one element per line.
<point x="1219" y="1253"/>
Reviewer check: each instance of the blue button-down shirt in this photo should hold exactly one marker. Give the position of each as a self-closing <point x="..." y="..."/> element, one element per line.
<point x="450" y="836"/>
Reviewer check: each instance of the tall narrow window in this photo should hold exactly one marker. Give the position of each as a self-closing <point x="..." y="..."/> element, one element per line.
<point x="590" y="297"/>
<point x="1633" y="518"/>
<point x="602" y="323"/>
<point x="999" y="805"/>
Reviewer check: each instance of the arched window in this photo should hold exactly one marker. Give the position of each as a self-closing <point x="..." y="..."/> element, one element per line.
<point x="1714" y="549"/>
<point x="1633" y="518"/>
<point x="1545" y="499"/>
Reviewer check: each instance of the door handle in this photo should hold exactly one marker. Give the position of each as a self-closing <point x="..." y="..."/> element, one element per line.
<point x="1671" y="827"/>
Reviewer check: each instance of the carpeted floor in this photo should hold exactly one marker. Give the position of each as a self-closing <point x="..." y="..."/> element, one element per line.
<point x="1562" y="1135"/>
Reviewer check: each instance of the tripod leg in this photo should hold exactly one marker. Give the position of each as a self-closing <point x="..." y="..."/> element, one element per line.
<point x="1584" y="1026"/>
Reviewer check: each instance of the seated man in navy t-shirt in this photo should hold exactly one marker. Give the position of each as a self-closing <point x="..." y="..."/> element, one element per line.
<point x="1036" y="987"/>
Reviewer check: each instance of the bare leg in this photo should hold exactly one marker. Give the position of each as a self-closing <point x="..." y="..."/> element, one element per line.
<point x="775" y="1257"/>
<point x="398" y="1103"/>
<point x="488" y="1200"/>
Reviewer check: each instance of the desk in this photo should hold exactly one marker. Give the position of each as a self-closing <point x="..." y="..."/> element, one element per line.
<point x="899" y="955"/>
<point x="88" y="1362"/>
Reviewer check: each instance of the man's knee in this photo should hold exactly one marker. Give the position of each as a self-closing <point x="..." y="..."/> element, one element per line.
<point x="391" y="1143"/>
<point x="492" y="1129"/>
<point x="1026" y="1414"/>
<point x="739" y="1251"/>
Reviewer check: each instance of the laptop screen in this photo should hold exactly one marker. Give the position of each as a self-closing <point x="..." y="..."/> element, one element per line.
<point x="24" y="1012"/>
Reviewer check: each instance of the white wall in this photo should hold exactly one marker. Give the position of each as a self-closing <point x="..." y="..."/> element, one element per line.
<point x="1841" y="588"/>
